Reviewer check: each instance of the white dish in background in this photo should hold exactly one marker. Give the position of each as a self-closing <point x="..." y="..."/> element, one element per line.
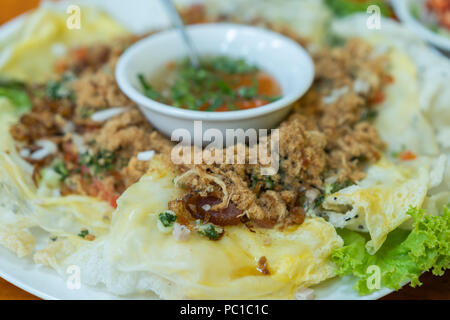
<point x="403" y="10"/>
<point x="281" y="57"/>
<point x="45" y="282"/>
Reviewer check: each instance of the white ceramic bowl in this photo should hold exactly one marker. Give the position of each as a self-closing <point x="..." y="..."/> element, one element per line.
<point x="281" y="57"/>
<point x="403" y="10"/>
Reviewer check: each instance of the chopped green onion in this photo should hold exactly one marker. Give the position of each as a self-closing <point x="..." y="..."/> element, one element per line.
<point x="167" y="218"/>
<point x="83" y="233"/>
<point x="210" y="231"/>
<point x="148" y="90"/>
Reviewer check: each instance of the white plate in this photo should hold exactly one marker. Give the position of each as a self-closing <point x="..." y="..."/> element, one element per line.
<point x="138" y="16"/>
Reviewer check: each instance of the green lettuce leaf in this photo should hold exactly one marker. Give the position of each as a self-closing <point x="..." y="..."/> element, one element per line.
<point x="15" y="92"/>
<point x="346" y="7"/>
<point x="404" y="256"/>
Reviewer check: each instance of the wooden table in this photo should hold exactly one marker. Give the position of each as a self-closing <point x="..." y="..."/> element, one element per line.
<point x="433" y="288"/>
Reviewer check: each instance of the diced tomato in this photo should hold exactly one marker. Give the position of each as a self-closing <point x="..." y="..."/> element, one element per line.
<point x="80" y="54"/>
<point x="110" y="198"/>
<point x="170" y="65"/>
<point x="222" y="108"/>
<point x="267" y="85"/>
<point x="104" y="194"/>
<point x="91" y="187"/>
<point x="378" y="97"/>
<point x="113" y="201"/>
<point x="61" y="67"/>
<point x="69" y="153"/>
<point x="407" y="156"/>
<point x="389" y="79"/>
<point x="441" y="8"/>
<point x="85" y="169"/>
<point x="254" y="103"/>
<point x="438" y="5"/>
<point x="445" y="19"/>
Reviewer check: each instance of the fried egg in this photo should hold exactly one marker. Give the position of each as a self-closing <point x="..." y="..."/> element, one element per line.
<point x="378" y="204"/>
<point x="413" y="117"/>
<point x="416" y="108"/>
<point x="29" y="53"/>
<point x="22" y="208"/>
<point x="142" y="258"/>
<point x="309" y="18"/>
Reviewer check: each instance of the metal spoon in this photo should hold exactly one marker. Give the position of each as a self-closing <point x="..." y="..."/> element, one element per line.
<point x="178" y="23"/>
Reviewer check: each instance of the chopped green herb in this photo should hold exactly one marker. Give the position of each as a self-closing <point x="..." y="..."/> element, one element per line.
<point x="167" y="218"/>
<point x="335" y="41"/>
<point x="15" y="92"/>
<point x="267" y="182"/>
<point x="369" y="115"/>
<point x="123" y="162"/>
<point x="248" y="92"/>
<point x="148" y="90"/>
<point x="12" y="84"/>
<point x="396" y="154"/>
<point x="346" y="7"/>
<point x="101" y="161"/>
<point x="415" y="11"/>
<point x="60" y="168"/>
<point x="337" y="186"/>
<point x="86" y="112"/>
<point x="225" y="88"/>
<point x="211" y="231"/>
<point x="83" y="233"/>
<point x="219" y="84"/>
<point x="57" y="90"/>
<point x="232" y="66"/>
<point x="217" y="103"/>
<point x="270" y="99"/>
<point x="232" y="107"/>
<point x="319" y="200"/>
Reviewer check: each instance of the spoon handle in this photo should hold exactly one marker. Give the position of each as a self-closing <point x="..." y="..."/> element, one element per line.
<point x="178" y="23"/>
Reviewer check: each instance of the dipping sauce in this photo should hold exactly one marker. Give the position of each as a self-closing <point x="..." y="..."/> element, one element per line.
<point x="219" y="84"/>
